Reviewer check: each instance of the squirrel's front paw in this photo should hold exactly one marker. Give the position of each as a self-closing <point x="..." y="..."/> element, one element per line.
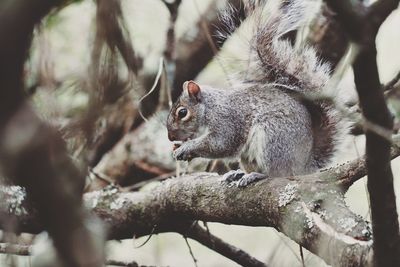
<point x="181" y="153"/>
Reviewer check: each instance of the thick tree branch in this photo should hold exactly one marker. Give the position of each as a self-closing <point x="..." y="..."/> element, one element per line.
<point x="309" y="209"/>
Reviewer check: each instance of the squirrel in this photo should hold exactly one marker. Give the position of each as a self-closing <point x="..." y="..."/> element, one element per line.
<point x="270" y="118"/>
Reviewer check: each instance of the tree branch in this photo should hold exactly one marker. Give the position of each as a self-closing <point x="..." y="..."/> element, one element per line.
<point x="199" y="234"/>
<point x="390" y="85"/>
<point x="308" y="209"/>
<point x="356" y="169"/>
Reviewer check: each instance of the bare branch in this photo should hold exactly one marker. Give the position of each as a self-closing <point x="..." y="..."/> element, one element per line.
<point x="390" y="85"/>
<point x="239" y="256"/>
<point x="355" y="170"/>
<point x="308" y="209"/>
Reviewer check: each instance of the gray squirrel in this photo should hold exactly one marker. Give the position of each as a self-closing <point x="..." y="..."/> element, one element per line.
<point x="270" y="118"/>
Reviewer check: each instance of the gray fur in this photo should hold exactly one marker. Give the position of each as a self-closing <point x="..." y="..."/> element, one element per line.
<point x="266" y="120"/>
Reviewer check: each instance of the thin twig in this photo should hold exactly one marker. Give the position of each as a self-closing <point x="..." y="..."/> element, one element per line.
<point x="302" y="256"/>
<point x="209" y="234"/>
<point x="160" y="68"/>
<point x="148" y="238"/>
<point x="392" y="82"/>
<point x="190" y="251"/>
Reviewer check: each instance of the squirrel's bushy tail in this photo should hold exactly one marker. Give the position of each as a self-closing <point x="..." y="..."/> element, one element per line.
<point x="275" y="60"/>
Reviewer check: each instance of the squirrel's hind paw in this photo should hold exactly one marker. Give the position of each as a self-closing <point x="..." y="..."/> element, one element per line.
<point x="241" y="179"/>
<point x="250" y="178"/>
<point x="233" y="175"/>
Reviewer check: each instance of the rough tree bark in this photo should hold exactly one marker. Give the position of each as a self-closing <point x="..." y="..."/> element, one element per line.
<point x="309" y="210"/>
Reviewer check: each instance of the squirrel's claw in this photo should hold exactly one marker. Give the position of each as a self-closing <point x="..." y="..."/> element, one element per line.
<point x="241" y="179"/>
<point x="181" y="153"/>
<point x="250" y="178"/>
<point x="232" y="176"/>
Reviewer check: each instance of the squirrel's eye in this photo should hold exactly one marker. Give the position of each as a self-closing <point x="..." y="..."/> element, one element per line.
<point x="182" y="113"/>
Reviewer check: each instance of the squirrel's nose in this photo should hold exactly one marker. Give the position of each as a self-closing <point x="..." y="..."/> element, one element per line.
<point x="171" y="136"/>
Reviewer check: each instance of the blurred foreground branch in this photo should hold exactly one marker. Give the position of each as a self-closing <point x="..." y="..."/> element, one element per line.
<point x="31" y="153"/>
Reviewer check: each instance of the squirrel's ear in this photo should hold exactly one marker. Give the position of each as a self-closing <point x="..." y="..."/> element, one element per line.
<point x="192" y="89"/>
